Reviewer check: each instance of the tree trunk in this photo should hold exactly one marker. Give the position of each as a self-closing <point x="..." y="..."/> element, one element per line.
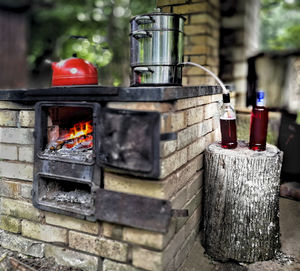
<point x="13" y="72"/>
<point x="241" y="203"/>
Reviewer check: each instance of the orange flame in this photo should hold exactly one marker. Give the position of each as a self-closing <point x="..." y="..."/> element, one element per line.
<point x="80" y="133"/>
<point x="80" y="129"/>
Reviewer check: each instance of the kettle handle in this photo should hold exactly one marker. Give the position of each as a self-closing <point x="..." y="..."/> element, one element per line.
<point x="138" y="34"/>
<point x="144" y="19"/>
<point x="53" y="64"/>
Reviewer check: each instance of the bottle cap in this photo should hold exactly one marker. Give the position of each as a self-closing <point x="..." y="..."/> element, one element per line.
<point x="260" y="95"/>
<point x="226" y="98"/>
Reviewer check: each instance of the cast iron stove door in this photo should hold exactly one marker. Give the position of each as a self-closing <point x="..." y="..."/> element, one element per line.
<point x="130" y="141"/>
<point x="130" y="144"/>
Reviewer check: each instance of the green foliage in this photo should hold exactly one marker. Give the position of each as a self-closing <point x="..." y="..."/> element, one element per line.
<point x="96" y="30"/>
<point x="289" y="39"/>
<point x="280" y="24"/>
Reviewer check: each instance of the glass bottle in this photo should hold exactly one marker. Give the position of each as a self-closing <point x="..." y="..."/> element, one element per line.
<point x="259" y="124"/>
<point x="228" y="124"/>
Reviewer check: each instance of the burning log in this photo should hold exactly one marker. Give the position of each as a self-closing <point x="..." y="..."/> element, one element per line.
<point x="241" y="203"/>
<point x="81" y="143"/>
<point x="79" y="137"/>
<point x="55" y="145"/>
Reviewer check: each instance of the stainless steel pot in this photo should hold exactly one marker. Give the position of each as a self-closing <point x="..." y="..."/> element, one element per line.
<point x="157" y="39"/>
<point x="156" y="75"/>
<point x="156" y="47"/>
<point x="158" y="21"/>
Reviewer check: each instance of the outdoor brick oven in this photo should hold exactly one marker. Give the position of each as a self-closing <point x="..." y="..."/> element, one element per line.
<point x="95" y="229"/>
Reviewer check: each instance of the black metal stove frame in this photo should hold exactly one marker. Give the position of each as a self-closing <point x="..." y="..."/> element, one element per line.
<point x="123" y="140"/>
<point x="49" y="170"/>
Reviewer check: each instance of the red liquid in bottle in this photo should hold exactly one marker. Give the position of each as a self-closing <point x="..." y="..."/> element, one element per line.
<point x="258" y="128"/>
<point x="228" y="132"/>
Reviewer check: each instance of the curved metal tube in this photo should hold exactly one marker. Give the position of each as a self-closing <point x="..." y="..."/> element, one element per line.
<point x="225" y="90"/>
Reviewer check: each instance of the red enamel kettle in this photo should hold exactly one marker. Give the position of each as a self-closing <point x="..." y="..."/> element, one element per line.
<point x="74" y="71"/>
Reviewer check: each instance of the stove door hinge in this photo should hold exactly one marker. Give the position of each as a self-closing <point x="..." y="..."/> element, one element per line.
<point x="168" y="136"/>
<point x="102" y="157"/>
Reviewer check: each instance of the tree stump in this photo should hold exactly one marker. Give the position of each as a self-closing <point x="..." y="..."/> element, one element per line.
<point x="241" y="203"/>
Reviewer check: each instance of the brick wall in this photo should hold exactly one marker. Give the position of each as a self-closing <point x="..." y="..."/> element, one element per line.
<point x="98" y="245"/>
<point x="201" y="36"/>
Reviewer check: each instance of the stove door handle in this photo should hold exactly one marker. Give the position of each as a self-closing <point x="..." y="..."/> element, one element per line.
<point x="140" y="34"/>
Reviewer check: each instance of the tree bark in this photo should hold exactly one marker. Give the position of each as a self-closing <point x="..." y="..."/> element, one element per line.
<point x="13" y="46"/>
<point x="241" y="203"/>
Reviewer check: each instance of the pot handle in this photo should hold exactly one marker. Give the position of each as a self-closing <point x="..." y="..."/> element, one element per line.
<point x="146" y="19"/>
<point x="138" y="34"/>
<point x="142" y="70"/>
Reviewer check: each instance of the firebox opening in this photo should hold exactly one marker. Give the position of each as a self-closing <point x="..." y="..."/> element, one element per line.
<point x="65" y="195"/>
<point x="69" y="133"/>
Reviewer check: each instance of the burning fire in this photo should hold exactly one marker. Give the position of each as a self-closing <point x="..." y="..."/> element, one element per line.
<point x="78" y="137"/>
<point x="79" y="129"/>
<point x="80" y="133"/>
